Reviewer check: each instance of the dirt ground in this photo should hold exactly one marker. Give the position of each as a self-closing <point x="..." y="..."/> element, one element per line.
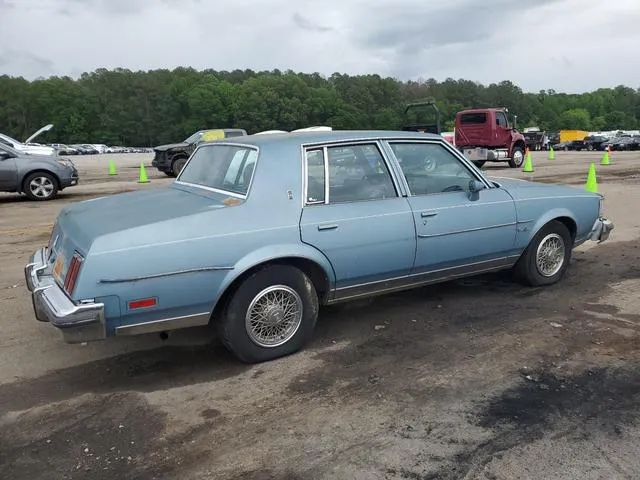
<point x="473" y="379"/>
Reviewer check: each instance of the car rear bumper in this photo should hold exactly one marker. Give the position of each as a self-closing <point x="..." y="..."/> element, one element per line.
<point x="601" y="230"/>
<point x="78" y="323"/>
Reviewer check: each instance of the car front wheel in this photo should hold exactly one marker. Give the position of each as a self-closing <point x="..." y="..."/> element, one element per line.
<point x="547" y="256"/>
<point x="273" y="313"/>
<point x="40" y="186"/>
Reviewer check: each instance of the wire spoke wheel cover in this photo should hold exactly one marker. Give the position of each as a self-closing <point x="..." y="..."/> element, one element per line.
<point x="41" y="187"/>
<point x="550" y="255"/>
<point x="274" y="316"/>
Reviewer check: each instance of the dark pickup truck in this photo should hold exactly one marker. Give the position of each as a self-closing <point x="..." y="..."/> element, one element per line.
<point x="171" y="158"/>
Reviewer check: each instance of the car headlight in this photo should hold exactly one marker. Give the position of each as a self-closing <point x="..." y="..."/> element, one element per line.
<point x="65" y="162"/>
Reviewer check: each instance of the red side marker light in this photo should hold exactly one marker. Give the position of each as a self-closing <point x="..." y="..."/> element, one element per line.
<point x="142" y="303"/>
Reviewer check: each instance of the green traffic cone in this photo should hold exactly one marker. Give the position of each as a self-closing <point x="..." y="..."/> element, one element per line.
<point x="112" y="168"/>
<point x="592" y="183"/>
<point x="605" y="158"/>
<point x="143" y="174"/>
<point x="552" y="153"/>
<point x="528" y="164"/>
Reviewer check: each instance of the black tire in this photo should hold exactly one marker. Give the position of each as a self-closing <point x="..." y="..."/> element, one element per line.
<point x="231" y="326"/>
<point x="177" y="165"/>
<point x="479" y="163"/>
<point x="169" y="174"/>
<point x="515" y="154"/>
<point x="526" y="269"/>
<point x="40" y="186"/>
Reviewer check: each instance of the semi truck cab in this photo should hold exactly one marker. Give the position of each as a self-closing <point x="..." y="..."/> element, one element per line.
<point x="485" y="135"/>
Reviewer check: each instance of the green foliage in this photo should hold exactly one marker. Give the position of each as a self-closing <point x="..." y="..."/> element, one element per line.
<point x="122" y="107"/>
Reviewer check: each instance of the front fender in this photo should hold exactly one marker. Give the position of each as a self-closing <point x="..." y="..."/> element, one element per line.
<point x="274" y="252"/>
<point x="535" y="225"/>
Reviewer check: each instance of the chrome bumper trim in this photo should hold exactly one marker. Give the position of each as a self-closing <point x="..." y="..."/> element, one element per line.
<point x="78" y="323"/>
<point x="601" y="230"/>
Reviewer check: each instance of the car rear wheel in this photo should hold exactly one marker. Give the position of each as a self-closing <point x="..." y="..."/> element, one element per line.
<point x="547" y="256"/>
<point x="40" y="186"/>
<point x="273" y="313"/>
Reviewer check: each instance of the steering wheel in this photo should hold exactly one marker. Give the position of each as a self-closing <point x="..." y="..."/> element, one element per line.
<point x="453" y="188"/>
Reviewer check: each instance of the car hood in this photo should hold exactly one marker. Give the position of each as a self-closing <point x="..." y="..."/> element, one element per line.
<point x="519" y="188"/>
<point x="46" y="128"/>
<point x="170" y="146"/>
<point x="84" y="222"/>
<point x="29" y="156"/>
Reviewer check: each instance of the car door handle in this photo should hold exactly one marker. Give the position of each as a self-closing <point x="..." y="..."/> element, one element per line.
<point x="428" y="214"/>
<point x="328" y="226"/>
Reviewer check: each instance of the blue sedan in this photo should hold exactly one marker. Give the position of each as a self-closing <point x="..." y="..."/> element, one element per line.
<point x="256" y="233"/>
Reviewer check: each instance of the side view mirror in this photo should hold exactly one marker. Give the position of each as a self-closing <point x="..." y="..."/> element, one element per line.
<point x="5" y="155"/>
<point x="474" y="188"/>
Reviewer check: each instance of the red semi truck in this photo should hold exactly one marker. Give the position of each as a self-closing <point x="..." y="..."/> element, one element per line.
<point x="481" y="134"/>
<point x="485" y="135"/>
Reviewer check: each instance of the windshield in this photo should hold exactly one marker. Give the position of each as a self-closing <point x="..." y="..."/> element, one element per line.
<point x="228" y="168"/>
<point x="9" y="140"/>
<point x="4" y="148"/>
<point x="194" y="137"/>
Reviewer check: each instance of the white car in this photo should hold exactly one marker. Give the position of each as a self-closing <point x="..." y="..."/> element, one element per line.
<point x="27" y="146"/>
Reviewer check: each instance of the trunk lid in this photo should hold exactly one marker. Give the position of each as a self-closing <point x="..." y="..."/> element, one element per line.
<point x="80" y="224"/>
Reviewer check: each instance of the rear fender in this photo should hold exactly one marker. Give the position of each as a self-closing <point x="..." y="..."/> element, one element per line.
<point x="273" y="253"/>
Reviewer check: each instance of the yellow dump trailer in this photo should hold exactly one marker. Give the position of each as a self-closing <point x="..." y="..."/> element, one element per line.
<point x="569" y="135"/>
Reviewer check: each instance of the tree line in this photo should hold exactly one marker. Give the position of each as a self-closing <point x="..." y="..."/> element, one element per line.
<point x="147" y="108"/>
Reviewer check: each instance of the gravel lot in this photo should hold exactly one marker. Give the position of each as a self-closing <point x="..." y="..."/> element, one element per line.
<point x="476" y="379"/>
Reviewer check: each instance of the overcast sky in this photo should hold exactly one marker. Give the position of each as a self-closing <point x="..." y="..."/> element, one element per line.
<point x="566" y="45"/>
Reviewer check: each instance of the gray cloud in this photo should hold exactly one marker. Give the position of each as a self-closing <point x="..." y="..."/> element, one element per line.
<point x="27" y="60"/>
<point x="121" y="7"/>
<point x="537" y="45"/>
<point x="112" y="7"/>
<point x="408" y="31"/>
<point x="306" y="24"/>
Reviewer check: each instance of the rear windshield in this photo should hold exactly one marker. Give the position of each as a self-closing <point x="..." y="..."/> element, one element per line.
<point x="470" y="118"/>
<point x="225" y="168"/>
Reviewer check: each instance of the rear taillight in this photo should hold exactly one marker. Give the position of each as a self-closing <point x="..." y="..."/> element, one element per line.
<point x="72" y="273"/>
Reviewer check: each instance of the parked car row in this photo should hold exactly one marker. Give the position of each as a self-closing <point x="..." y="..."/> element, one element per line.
<point x="28" y="146"/>
<point x="94" y="148"/>
<point x="599" y="142"/>
<point x="84" y="149"/>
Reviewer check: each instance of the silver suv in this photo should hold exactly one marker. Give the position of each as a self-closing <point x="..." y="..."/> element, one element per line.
<point x="39" y="177"/>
